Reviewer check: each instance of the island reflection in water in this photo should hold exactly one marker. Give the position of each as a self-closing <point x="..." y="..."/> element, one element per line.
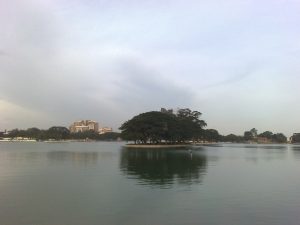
<point x="296" y="151"/>
<point x="163" y="168"/>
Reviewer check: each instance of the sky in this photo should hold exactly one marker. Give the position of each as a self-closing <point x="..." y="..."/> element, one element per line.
<point x="237" y="62"/>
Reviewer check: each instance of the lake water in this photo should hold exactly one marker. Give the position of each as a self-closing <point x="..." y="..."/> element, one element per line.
<point x="103" y="183"/>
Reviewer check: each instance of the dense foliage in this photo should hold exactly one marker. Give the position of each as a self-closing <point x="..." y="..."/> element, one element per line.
<point x="267" y="135"/>
<point x="157" y="127"/>
<point x="296" y="138"/>
<point x="60" y="133"/>
<point x="211" y="135"/>
<point x="233" y="138"/>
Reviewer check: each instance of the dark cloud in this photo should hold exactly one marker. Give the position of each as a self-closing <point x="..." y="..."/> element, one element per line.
<point x="144" y="88"/>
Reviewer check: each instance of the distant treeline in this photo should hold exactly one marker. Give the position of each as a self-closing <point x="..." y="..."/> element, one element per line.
<point x="60" y="133"/>
<point x="249" y="136"/>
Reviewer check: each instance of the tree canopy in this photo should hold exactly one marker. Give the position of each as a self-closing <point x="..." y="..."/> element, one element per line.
<point x="233" y="138"/>
<point x="211" y="135"/>
<point x="158" y="127"/>
<point x="296" y="138"/>
<point x="270" y="137"/>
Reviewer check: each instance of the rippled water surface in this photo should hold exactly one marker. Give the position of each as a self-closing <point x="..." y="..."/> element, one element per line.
<point x="103" y="183"/>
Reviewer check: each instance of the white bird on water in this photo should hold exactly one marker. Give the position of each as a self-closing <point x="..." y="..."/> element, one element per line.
<point x="191" y="153"/>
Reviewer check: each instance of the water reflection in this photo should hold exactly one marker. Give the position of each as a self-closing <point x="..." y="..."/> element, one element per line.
<point x="258" y="146"/>
<point x="22" y="156"/>
<point x="76" y="157"/>
<point x="257" y="152"/>
<point x="296" y="151"/>
<point x="163" y="168"/>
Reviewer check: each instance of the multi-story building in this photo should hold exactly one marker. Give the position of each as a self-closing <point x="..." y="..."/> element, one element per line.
<point x="84" y="125"/>
<point x="104" y="130"/>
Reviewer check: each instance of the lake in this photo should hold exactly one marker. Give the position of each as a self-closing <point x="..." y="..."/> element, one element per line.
<point x="103" y="183"/>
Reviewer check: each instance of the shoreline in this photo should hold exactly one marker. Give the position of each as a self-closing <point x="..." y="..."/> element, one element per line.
<point x="157" y="145"/>
<point x="56" y="141"/>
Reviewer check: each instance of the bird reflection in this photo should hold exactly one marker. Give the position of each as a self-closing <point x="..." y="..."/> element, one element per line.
<point x="163" y="167"/>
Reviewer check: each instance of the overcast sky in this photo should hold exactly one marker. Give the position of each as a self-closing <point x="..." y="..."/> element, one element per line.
<point x="236" y="61"/>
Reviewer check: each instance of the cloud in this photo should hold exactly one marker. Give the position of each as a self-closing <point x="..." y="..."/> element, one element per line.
<point x="108" y="60"/>
<point x="15" y="116"/>
<point x="98" y="82"/>
<point x="3" y="53"/>
<point x="142" y="87"/>
<point x="231" y="80"/>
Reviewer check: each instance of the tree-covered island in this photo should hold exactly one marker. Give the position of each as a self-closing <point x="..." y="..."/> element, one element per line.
<point x="164" y="127"/>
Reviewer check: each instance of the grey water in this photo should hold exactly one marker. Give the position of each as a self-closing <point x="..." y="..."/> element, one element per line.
<point x="104" y="183"/>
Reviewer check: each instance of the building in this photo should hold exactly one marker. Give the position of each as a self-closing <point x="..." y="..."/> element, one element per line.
<point x="84" y="125"/>
<point x="104" y="130"/>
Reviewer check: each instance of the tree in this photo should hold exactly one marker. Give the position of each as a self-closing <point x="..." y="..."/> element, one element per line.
<point x="250" y="135"/>
<point x="155" y="127"/>
<point x="279" y="138"/>
<point x="253" y="132"/>
<point x="150" y="126"/>
<point x="296" y="138"/>
<point x="14" y="133"/>
<point x="110" y="136"/>
<point x="191" y="127"/>
<point x="57" y="133"/>
<point x="33" y="133"/>
<point x="233" y="138"/>
<point x="266" y="134"/>
<point x="211" y="135"/>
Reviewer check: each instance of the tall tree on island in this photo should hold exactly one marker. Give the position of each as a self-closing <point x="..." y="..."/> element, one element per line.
<point x="250" y="135"/>
<point x="190" y="123"/>
<point x="156" y="127"/>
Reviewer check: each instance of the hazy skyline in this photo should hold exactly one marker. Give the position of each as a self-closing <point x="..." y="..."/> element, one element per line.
<point x="237" y="62"/>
